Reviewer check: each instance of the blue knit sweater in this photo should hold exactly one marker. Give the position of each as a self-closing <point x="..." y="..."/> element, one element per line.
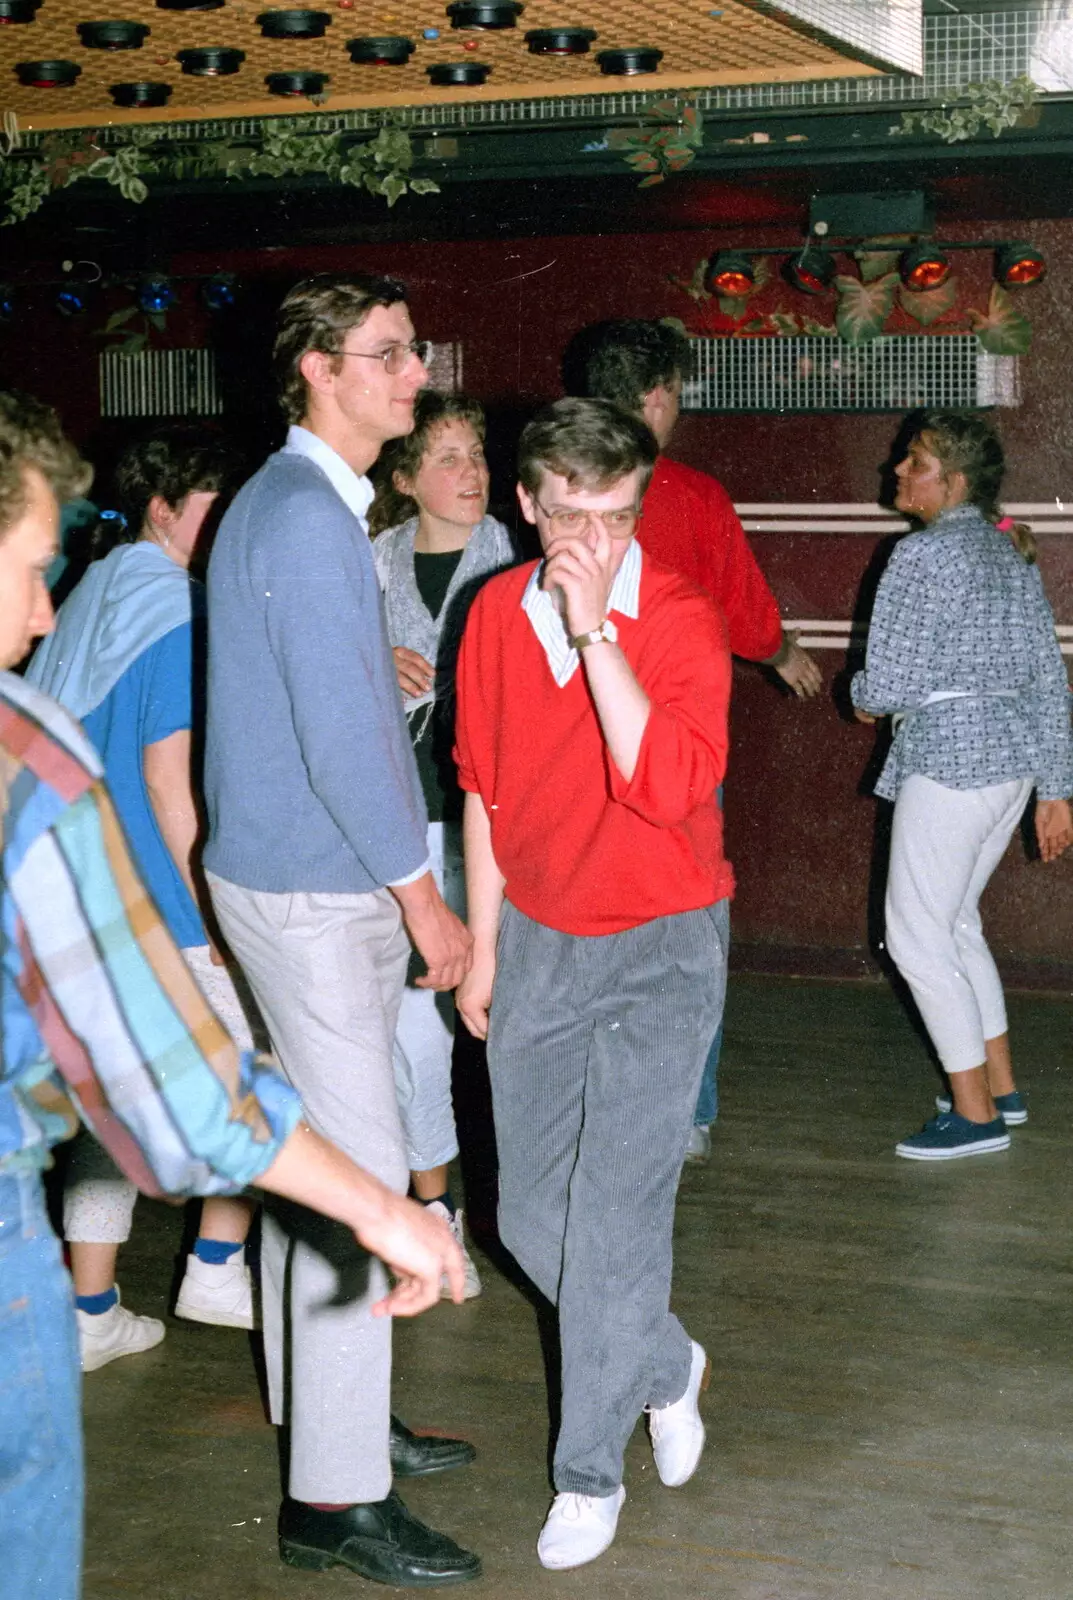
<point x="310" y="779"/>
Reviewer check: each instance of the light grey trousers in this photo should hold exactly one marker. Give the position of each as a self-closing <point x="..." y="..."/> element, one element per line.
<point x="327" y="972"/>
<point x="595" y="1052"/>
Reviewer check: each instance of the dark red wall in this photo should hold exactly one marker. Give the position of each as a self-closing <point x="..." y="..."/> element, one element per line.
<point x="800" y="829"/>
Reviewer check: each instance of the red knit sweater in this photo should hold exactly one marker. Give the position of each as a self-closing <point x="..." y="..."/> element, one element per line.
<point x="690" y="525"/>
<point x="581" y="849"/>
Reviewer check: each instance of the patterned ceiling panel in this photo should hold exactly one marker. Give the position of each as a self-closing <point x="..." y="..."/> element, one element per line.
<point x="702" y="44"/>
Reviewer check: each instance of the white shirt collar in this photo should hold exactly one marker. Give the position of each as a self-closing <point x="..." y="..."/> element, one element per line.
<point x="550" y="628"/>
<point x="356" y="493"/>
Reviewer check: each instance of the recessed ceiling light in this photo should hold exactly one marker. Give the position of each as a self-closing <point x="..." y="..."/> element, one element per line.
<point x="132" y="95"/>
<point x="112" y="35"/>
<point x="18" y="10"/>
<point x="628" y="63"/>
<point x="212" y="62"/>
<point x="484" y="13"/>
<point x="47" y="74"/>
<point x="297" y="83"/>
<point x="389" y="50"/>
<point x="559" y="41"/>
<point x="294" y="24"/>
<point x="457" y="73"/>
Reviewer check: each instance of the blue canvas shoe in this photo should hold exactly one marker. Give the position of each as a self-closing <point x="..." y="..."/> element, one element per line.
<point x="1010" y="1107"/>
<point x="948" y="1136"/>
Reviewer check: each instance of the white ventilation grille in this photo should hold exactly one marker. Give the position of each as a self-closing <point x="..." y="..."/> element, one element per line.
<point x="819" y="373"/>
<point x="159" y="383"/>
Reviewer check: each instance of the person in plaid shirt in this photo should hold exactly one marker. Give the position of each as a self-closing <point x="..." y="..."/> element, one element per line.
<point x="102" y="1022"/>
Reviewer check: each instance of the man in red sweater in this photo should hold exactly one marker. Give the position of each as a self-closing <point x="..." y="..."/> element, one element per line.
<point x="591" y="738"/>
<point x="691" y="526"/>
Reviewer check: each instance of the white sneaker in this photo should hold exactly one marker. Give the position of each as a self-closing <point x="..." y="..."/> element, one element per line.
<point x="699" y="1147"/>
<point x="114" y="1333"/>
<point x="676" y="1431"/>
<point x="219" y="1293"/>
<point x="578" y="1528"/>
<point x="473" y="1281"/>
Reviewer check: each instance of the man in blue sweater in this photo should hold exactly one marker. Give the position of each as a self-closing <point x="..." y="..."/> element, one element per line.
<point x="318" y="868"/>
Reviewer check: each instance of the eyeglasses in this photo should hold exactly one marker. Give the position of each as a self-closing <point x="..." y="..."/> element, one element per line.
<point x="396" y="356"/>
<point x="618" y="523"/>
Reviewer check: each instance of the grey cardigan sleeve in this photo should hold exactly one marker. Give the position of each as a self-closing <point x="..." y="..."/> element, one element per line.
<point x="325" y="628"/>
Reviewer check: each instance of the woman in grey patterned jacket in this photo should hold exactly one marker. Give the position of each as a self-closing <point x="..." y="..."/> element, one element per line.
<point x="436" y="548"/>
<point x="962" y="653"/>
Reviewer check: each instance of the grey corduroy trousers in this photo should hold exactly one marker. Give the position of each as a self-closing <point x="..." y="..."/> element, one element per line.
<point x="595" y="1052"/>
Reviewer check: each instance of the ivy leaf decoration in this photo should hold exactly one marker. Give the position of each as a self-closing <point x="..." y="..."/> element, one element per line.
<point x="1003" y="331"/>
<point x="875" y="264"/>
<point x="929" y="305"/>
<point x="863" y="308"/>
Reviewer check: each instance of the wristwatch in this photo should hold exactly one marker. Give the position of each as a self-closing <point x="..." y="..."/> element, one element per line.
<point x="606" y="633"/>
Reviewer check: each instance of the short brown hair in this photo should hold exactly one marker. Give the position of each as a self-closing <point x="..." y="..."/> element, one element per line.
<point x="590" y="443"/>
<point x="404" y="455"/>
<point x="625" y="358"/>
<point x="317" y="314"/>
<point x="31" y="436"/>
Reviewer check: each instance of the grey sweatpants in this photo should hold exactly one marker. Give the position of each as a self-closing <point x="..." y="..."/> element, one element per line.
<point x="327" y="972"/>
<point x="595" y="1052"/>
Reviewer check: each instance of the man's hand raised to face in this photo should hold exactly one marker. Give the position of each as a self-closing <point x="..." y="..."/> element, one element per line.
<point x="581" y="566"/>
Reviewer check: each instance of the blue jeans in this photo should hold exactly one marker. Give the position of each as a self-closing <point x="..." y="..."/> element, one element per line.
<point x="40" y="1410"/>
<point x="708" y="1098"/>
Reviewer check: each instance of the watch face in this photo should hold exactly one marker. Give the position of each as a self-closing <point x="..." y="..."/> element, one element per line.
<point x="609" y="632"/>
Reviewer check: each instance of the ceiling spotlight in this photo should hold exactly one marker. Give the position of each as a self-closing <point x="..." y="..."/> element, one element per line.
<point x="72" y="298"/>
<point x="112" y="35"/>
<point x="18" y="10"/>
<point x="924" y="267"/>
<point x="628" y="63"/>
<point x="484" y="13"/>
<point x="211" y="62"/>
<point x="1018" y="264"/>
<point x="385" y="50"/>
<point x="293" y="24"/>
<point x="47" y="74"/>
<point x="458" y="74"/>
<point x="296" y="84"/>
<point x="155" y="293"/>
<point x="732" y="273"/>
<point x="132" y="95"/>
<point x="811" y="270"/>
<point x="559" y="41"/>
<point x="219" y="292"/>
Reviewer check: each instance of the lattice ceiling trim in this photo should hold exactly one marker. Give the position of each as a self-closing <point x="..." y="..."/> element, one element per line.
<point x="703" y="46"/>
<point x="276" y="107"/>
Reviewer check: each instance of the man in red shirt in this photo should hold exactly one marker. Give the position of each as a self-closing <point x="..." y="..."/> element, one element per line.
<point x="691" y="526"/>
<point x="591" y="738"/>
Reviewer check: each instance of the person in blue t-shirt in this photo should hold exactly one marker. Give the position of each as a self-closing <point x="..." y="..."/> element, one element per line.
<point x="127" y="659"/>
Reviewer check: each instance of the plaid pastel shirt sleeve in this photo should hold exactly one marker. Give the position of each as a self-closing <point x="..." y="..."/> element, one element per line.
<point x="128" y="1037"/>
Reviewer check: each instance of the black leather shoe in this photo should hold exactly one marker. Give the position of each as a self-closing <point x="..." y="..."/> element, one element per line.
<point x="380" y="1541"/>
<point x="415" y="1455"/>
